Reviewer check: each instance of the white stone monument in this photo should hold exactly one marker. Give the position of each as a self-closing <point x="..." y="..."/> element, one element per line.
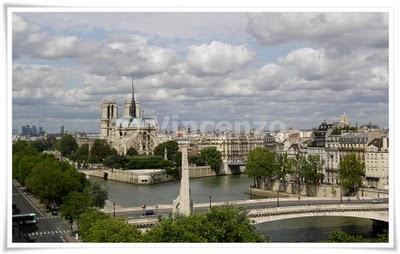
<point x="183" y="204"/>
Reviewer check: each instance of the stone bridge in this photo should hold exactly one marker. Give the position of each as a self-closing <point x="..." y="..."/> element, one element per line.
<point x="379" y="212"/>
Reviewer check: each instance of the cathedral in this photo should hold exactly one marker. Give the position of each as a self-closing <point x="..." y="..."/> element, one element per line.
<point x="132" y="129"/>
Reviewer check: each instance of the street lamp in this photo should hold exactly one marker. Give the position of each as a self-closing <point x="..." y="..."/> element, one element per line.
<point x="113" y="206"/>
<point x="278" y="191"/>
<point x="210" y="201"/>
<point x="341" y="197"/>
<point x="278" y="198"/>
<point x="250" y="190"/>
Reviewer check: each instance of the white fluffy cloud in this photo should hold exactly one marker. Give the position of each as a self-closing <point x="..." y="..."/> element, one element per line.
<point x="218" y="58"/>
<point x="130" y="55"/>
<point x="340" y="30"/>
<point x="29" y="39"/>
<point x="332" y="71"/>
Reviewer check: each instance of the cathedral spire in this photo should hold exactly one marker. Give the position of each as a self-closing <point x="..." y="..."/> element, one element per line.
<point x="132" y="109"/>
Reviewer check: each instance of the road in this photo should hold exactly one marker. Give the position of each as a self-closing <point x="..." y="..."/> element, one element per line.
<point x="259" y="205"/>
<point x="48" y="228"/>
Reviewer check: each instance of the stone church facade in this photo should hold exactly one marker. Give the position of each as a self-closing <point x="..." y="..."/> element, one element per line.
<point x="132" y="129"/>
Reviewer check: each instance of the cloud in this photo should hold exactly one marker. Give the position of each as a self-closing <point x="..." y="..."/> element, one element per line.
<point x="339" y="30"/>
<point x="327" y="73"/>
<point x="130" y="55"/>
<point x="29" y="39"/>
<point x="218" y="58"/>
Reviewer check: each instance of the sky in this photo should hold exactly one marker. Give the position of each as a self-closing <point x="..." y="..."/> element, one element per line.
<point x="295" y="68"/>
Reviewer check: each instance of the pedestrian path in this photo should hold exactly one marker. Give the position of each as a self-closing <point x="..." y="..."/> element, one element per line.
<point x="47" y="217"/>
<point x="50" y="232"/>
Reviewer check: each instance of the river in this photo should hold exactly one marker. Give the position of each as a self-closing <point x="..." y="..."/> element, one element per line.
<point x="228" y="188"/>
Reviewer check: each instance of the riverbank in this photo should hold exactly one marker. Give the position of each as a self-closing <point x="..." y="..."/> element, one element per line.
<point x="146" y="176"/>
<point x="322" y="191"/>
<point x="268" y="193"/>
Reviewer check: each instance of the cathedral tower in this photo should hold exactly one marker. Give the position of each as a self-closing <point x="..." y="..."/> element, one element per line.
<point x="109" y="111"/>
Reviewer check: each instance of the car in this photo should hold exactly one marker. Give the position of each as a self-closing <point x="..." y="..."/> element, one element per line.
<point x="148" y="213"/>
<point x="55" y="211"/>
<point x="377" y="201"/>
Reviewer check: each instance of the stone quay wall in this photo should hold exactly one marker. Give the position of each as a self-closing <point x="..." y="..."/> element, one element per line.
<point x="127" y="176"/>
<point x="201" y="171"/>
<point x="322" y="190"/>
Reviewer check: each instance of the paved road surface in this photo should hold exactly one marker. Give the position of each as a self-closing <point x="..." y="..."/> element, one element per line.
<point x="48" y="228"/>
<point x="139" y="214"/>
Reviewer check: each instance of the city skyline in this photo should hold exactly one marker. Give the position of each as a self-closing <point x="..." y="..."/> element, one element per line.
<point x="297" y="68"/>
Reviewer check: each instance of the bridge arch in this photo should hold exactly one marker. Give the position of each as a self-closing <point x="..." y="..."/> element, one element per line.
<point x="378" y="213"/>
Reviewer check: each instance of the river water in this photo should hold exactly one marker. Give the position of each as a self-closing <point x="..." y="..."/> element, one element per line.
<point x="221" y="188"/>
<point x="228" y="188"/>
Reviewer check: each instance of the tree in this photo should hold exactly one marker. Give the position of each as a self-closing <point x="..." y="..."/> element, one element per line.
<point x="95" y="226"/>
<point x="196" y="160"/>
<point x="171" y="146"/>
<point x="52" y="180"/>
<point x="221" y="224"/>
<point x="115" y="161"/>
<point x="212" y="157"/>
<point x="351" y="172"/>
<point x="284" y="167"/>
<point x="343" y="237"/>
<point x="75" y="204"/>
<point x="131" y="152"/>
<point x="100" y="150"/>
<point x="81" y="154"/>
<point x="261" y="164"/>
<point x="87" y="219"/>
<point x="311" y="168"/>
<point x="97" y="193"/>
<point x="148" y="162"/>
<point x="67" y="145"/>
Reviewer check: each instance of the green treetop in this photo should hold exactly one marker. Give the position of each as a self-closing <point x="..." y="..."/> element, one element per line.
<point x="212" y="157"/>
<point x="172" y="149"/>
<point x="100" y="150"/>
<point x="67" y="145"/>
<point x="351" y="172"/>
<point x="261" y="164"/>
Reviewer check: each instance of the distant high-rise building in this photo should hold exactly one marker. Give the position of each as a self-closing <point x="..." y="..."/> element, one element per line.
<point x="62" y="130"/>
<point x="33" y="131"/>
<point x="26" y="130"/>
<point x="41" y="131"/>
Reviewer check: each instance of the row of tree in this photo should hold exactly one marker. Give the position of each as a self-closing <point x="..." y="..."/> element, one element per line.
<point x="220" y="224"/>
<point x="51" y="180"/>
<point x="343" y="237"/>
<point x="266" y="166"/>
<point x="101" y="152"/>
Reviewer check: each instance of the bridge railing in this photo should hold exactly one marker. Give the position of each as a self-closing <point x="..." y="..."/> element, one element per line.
<point x="316" y="209"/>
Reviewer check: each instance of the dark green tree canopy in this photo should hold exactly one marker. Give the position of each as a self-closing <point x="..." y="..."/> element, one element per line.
<point x="97" y="227"/>
<point x="81" y="154"/>
<point x="100" y="150"/>
<point x="212" y="157"/>
<point x="98" y="193"/>
<point x="67" y="145"/>
<point x="131" y="152"/>
<point x="172" y="149"/>
<point x="221" y="224"/>
<point x="351" y="172"/>
<point x="75" y="204"/>
<point x="197" y="160"/>
<point x="148" y="162"/>
<point x="115" y="161"/>
<point x="260" y="164"/>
